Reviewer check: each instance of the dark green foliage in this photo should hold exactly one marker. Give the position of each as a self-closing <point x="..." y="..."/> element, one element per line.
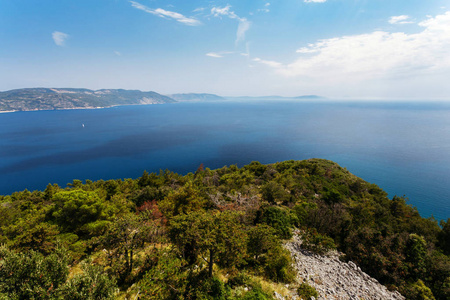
<point x="123" y="239"/>
<point x="174" y="234"/>
<point x="278" y="266"/>
<point x="261" y="239"/>
<point x="419" y="291"/>
<point x="274" y="193"/>
<point x="216" y="237"/>
<point x="30" y="275"/>
<point x="305" y="291"/>
<point x="165" y="279"/>
<point x="415" y="253"/>
<point x="279" y="219"/>
<point x="92" y="284"/>
<point x="184" y="200"/>
<point x="316" y="242"/>
<point x="444" y="237"/>
<point x="77" y="208"/>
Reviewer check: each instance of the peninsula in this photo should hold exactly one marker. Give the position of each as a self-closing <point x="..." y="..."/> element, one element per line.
<point x="72" y="98"/>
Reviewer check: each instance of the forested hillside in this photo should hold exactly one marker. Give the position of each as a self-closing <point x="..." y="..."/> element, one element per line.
<point x="213" y="234"/>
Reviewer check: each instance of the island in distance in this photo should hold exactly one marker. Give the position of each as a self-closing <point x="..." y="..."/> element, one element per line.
<point x="194" y="97"/>
<point x="29" y="99"/>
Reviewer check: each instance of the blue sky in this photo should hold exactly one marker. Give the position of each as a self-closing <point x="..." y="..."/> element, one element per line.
<point x="394" y="49"/>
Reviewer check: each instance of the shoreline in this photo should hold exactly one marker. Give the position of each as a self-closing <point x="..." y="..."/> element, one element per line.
<point x="74" y="108"/>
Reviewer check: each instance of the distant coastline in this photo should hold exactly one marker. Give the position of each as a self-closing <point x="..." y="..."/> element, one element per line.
<point x="42" y="99"/>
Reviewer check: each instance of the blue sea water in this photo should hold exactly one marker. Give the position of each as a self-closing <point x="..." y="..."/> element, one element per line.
<point x="402" y="147"/>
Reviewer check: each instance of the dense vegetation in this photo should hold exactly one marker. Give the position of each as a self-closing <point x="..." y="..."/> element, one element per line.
<point x="212" y="234"/>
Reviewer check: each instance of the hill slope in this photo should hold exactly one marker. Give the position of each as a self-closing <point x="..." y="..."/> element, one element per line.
<point x="219" y="234"/>
<point x="56" y="98"/>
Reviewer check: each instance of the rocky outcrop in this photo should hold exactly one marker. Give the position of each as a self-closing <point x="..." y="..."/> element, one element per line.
<point x="334" y="279"/>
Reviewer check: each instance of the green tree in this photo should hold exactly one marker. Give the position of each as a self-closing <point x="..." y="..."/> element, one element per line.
<point x="184" y="200"/>
<point x="444" y="237"/>
<point x="279" y="219"/>
<point x="123" y="237"/>
<point x="274" y="192"/>
<point x="215" y="237"/>
<point x="415" y="255"/>
<point x="261" y="239"/>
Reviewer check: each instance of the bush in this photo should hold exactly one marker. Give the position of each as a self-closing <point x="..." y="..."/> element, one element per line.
<point x="91" y="284"/>
<point x="30" y="275"/>
<point x="305" y="291"/>
<point x="278" y="267"/>
<point x="419" y="291"/>
<point x="279" y="219"/>
<point x="316" y="242"/>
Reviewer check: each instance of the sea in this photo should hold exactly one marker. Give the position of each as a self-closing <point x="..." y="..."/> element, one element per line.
<point x="403" y="147"/>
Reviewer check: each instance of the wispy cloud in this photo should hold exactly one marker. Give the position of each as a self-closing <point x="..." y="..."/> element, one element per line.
<point x="214" y="54"/>
<point x="317" y="1"/>
<point x="270" y="63"/>
<point x="244" y="24"/>
<point x="374" y="56"/>
<point x="403" y="19"/>
<point x="199" y="9"/>
<point x="166" y="14"/>
<point x="60" y="38"/>
<point x="117" y="53"/>
<point x="266" y="8"/>
<point x="220" y="54"/>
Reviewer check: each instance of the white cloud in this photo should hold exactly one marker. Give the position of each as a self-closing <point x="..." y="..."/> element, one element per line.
<point x="117" y="53"/>
<point x="214" y="54"/>
<point x="243" y="27"/>
<point x="265" y="8"/>
<point x="166" y="14"/>
<point x="60" y="38"/>
<point x="199" y="9"/>
<point x="373" y="56"/>
<point x="223" y="11"/>
<point x="269" y="63"/>
<point x="317" y="1"/>
<point x="244" y="24"/>
<point x="220" y="54"/>
<point x="403" y="19"/>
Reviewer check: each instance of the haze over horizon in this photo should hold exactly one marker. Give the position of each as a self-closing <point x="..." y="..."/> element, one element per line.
<point x="332" y="48"/>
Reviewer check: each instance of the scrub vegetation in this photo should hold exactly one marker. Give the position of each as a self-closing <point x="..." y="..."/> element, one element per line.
<point x="213" y="234"/>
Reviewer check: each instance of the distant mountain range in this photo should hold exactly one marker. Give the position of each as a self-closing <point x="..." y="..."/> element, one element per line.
<point x="70" y="98"/>
<point x="196" y="97"/>
<point x="275" y="97"/>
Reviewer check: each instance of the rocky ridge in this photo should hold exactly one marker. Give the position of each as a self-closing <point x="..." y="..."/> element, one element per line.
<point x="334" y="279"/>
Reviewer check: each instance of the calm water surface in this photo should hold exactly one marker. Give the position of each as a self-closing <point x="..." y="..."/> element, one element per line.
<point x="402" y="147"/>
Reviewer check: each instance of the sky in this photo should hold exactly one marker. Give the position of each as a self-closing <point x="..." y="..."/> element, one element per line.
<point x="359" y="49"/>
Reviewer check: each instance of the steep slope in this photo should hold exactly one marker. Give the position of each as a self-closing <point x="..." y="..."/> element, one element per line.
<point x="334" y="279"/>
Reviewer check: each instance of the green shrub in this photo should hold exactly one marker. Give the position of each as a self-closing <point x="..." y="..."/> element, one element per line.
<point x="278" y="266"/>
<point x="30" y="275"/>
<point x="305" y="291"/>
<point x="279" y="219"/>
<point x="92" y="284"/>
<point x="316" y="242"/>
<point x="419" y="291"/>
